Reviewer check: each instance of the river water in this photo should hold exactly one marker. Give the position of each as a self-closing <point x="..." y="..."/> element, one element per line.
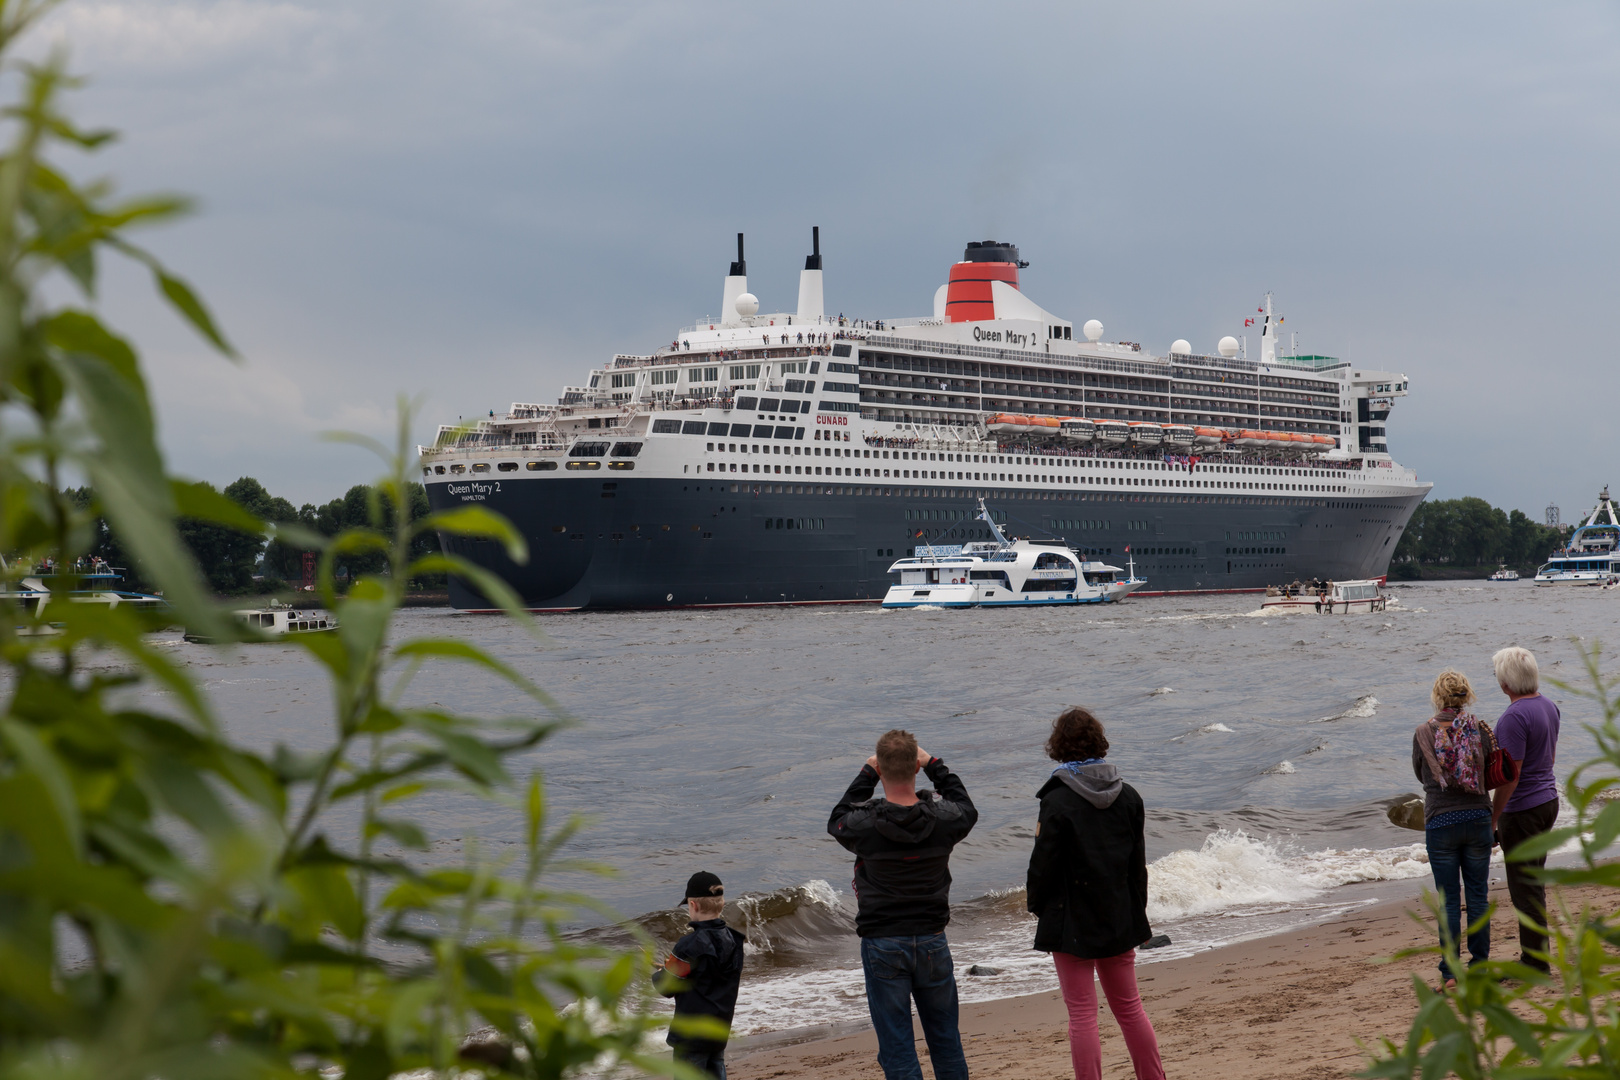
<point x="1265" y="747"/>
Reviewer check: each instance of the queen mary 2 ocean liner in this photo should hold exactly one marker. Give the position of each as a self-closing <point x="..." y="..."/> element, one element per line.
<point x="793" y="457"/>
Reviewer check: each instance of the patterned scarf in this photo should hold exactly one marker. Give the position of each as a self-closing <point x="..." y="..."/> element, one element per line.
<point x="1460" y="750"/>
<point x="1074" y="767"/>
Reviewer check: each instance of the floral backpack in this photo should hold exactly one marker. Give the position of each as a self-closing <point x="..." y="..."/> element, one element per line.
<point x="1456" y="752"/>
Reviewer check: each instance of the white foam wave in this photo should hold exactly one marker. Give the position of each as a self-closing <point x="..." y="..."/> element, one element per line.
<point x="1233" y="869"/>
<point x="1282" y="768"/>
<point x="1214" y="727"/>
<point x="1161" y="690"/>
<point x="1366" y="705"/>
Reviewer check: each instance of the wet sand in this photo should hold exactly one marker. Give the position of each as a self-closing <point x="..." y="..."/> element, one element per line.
<point x="1304" y="1005"/>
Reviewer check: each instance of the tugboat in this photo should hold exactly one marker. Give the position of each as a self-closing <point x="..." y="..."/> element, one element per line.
<point x="1590" y="557"/>
<point x="1006" y="573"/>
<point x="1325" y="598"/>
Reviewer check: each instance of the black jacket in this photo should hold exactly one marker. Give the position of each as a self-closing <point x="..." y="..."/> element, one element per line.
<point x="902" y="865"/>
<point x="715" y="952"/>
<point x="1088" y="873"/>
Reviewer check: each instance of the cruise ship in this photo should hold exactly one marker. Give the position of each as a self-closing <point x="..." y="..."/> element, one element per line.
<point x="793" y="457"/>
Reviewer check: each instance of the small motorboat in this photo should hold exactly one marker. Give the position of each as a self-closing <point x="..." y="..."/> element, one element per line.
<point x="1504" y="574"/>
<point x="1325" y="598"/>
<point x="279" y="621"/>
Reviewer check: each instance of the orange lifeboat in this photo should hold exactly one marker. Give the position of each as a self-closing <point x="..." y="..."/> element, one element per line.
<point x="1280" y="440"/>
<point x="1209" y="436"/>
<point x="1324" y="442"/>
<point x="1302" y="442"/>
<point x="1006" y="424"/>
<point x="1044" y="425"/>
<point x="1251" y="438"/>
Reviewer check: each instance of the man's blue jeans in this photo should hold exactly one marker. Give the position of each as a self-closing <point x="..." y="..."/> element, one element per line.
<point x="1463" y="848"/>
<point x="900" y="970"/>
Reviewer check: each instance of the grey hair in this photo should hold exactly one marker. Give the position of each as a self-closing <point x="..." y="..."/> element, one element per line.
<point x="1516" y="670"/>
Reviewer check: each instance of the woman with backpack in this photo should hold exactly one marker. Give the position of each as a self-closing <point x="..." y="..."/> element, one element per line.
<point x="1449" y="756"/>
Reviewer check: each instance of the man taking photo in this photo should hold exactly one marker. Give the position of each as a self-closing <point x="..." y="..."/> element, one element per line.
<point x="902" y="845"/>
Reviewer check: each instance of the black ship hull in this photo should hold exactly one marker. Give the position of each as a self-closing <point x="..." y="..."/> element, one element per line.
<point x="663" y="543"/>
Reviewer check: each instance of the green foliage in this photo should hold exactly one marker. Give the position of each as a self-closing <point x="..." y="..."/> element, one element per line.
<point x="1505" y="1021"/>
<point x="1472" y="532"/>
<point x="171" y="903"/>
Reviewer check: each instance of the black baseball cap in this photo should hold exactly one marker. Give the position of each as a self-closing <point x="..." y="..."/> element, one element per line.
<point x="703" y="884"/>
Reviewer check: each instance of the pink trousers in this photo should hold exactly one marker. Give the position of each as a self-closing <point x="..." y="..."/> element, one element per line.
<point x="1118" y="977"/>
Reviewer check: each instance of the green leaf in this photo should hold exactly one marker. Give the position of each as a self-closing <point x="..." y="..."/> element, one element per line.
<point x="200" y="501"/>
<point x="187" y="304"/>
<point x="1606" y="827"/>
<point x="1542" y="843"/>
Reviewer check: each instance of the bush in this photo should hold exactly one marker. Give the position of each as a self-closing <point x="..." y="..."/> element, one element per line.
<point x="171" y="903"/>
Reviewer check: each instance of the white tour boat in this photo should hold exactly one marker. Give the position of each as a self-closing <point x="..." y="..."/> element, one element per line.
<point x="1504" y="574"/>
<point x="279" y="621"/>
<point x="1006" y="573"/>
<point x="1590" y="557"/>
<point x="1325" y="598"/>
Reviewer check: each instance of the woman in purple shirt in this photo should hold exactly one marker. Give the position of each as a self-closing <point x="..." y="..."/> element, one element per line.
<point x="1528" y="806"/>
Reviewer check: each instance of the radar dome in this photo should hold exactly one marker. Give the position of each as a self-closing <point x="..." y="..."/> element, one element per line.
<point x="1181" y="347"/>
<point x="747" y="304"/>
<point x="1093" y="330"/>
<point x="1228" y="345"/>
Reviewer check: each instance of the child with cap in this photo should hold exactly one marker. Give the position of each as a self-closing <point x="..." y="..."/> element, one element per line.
<point x="702" y="973"/>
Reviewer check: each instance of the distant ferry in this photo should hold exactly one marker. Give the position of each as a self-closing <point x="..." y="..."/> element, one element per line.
<point x="1005" y="573"/>
<point x="793" y="457"/>
<point x="1591" y="556"/>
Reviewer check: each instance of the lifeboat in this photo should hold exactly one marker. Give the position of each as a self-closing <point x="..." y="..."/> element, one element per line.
<point x="1209" y="436"/>
<point x="1077" y="429"/>
<point x="1324" y="442"/>
<point x="1303" y="444"/>
<point x="1113" y="432"/>
<point x="1006" y="424"/>
<point x="1178" y="436"/>
<point x="1044" y="425"/>
<point x="1252" y="439"/>
<point x="1146" y="434"/>
<point x="1280" y="440"/>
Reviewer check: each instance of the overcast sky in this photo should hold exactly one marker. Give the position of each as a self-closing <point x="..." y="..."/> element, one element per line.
<point x="476" y="201"/>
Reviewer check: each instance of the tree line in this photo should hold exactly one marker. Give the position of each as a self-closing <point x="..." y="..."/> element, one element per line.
<point x="237" y="563"/>
<point x="1471" y="532"/>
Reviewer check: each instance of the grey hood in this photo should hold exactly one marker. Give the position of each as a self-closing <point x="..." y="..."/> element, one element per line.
<point x="1098" y="784"/>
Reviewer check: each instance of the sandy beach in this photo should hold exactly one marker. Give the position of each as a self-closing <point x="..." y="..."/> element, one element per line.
<point x="1295" y="1006"/>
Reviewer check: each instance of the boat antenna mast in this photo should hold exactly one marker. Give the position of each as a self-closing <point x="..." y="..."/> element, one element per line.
<point x="995" y="530"/>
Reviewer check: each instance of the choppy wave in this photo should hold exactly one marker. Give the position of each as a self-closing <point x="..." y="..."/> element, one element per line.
<point x="782" y="926"/>
<point x="1366" y="706"/>
<point x="1282" y="768"/>
<point x="1233" y="869"/>
<point x="1161" y="690"/>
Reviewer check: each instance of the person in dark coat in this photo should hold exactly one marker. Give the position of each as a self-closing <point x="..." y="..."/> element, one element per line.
<point x="703" y="973"/>
<point x="1087" y="885"/>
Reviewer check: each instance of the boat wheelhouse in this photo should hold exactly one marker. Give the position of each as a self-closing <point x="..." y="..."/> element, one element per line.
<point x="1592" y="555"/>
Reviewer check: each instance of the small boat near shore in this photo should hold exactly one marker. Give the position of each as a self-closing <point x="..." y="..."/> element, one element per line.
<point x="1504" y="574"/>
<point x="1325" y="598"/>
<point x="279" y="621"/>
<point x="1006" y="573"/>
<point x="1592" y="555"/>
